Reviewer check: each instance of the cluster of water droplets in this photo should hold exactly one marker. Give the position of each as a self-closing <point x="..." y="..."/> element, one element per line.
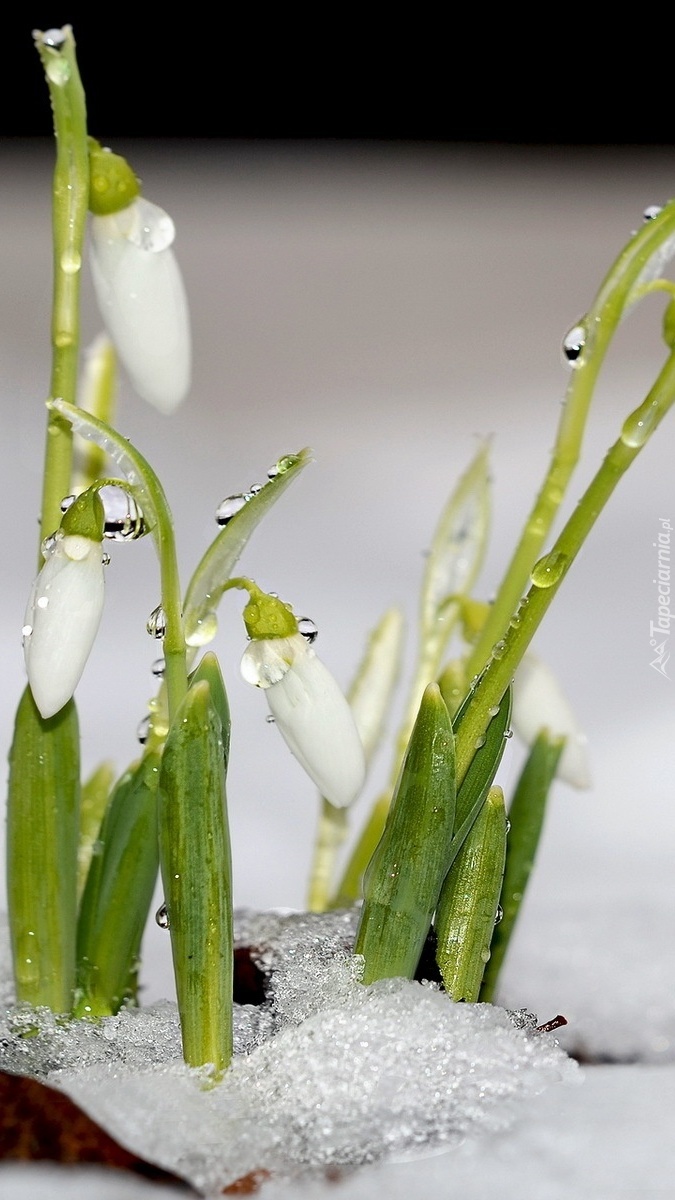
<point x="231" y="505"/>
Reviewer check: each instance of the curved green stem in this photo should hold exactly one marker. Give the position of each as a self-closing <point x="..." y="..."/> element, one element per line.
<point x="550" y="571"/>
<point x="149" y="493"/>
<point x="618" y="291"/>
<point x="70" y="201"/>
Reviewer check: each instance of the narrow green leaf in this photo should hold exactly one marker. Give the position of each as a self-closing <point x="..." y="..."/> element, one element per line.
<point x="42" y="836"/>
<point x="457" y="549"/>
<point x="197" y="876"/>
<point x="526" y="817"/>
<point x="118" y="893"/>
<point x="95" y="795"/>
<point x="404" y="878"/>
<point x="467" y="908"/>
<point x="206" y="586"/>
<point x="484" y="764"/>
<point x="208" y="670"/>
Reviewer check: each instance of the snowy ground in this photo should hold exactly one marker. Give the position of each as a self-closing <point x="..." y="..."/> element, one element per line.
<point x="384" y="307"/>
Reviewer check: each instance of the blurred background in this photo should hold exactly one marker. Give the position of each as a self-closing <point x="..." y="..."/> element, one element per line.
<point x="386" y="294"/>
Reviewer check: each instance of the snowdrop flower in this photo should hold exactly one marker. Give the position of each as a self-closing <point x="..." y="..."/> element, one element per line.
<point x="138" y="284"/>
<point x="310" y="711"/>
<point x="65" y="606"/>
<point x="538" y="703"/>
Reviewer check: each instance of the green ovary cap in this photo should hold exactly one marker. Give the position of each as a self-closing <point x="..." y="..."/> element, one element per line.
<point x="112" y="183"/>
<point x="85" y="517"/>
<point x="267" y="616"/>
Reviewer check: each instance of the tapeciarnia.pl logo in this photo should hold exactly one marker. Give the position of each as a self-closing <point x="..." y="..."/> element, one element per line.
<point x="659" y="630"/>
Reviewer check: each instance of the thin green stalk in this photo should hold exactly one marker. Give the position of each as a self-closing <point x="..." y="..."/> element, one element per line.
<point x="618" y="291"/>
<point x="549" y="572"/>
<point x="70" y="203"/>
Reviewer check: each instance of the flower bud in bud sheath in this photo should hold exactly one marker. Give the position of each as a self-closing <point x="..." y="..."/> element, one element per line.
<point x="310" y="712"/>
<point x="539" y="703"/>
<point x="142" y="299"/>
<point x="65" y="606"/>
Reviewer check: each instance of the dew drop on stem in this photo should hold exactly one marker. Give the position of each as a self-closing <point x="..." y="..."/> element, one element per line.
<point x="549" y="569"/>
<point x="156" y="622"/>
<point x="573" y="344"/>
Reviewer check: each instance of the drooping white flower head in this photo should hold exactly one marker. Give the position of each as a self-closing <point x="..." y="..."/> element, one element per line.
<point x="64" y="609"/>
<point x="538" y="703"/>
<point x="142" y="300"/>
<point x="311" y="713"/>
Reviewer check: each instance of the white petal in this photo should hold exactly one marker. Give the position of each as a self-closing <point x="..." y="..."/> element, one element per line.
<point x="62" y="619"/>
<point x="538" y="703"/>
<point x="142" y="300"/>
<point x="317" y="724"/>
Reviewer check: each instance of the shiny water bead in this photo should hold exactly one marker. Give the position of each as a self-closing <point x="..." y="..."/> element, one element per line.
<point x="123" y="518"/>
<point x="308" y="629"/>
<point x="158" y="668"/>
<point x="50" y="543"/>
<point x="549" y="569"/>
<point x="162" y="917"/>
<point x="143" y="730"/>
<point x="66" y="503"/>
<point x="55" y="38"/>
<point x="499" y="915"/>
<point x="652" y="211"/>
<point x="230" y="506"/>
<point x="156" y="622"/>
<point x="204" y="631"/>
<point x="255" y="488"/>
<point x="573" y="343"/>
<point x="282" y="465"/>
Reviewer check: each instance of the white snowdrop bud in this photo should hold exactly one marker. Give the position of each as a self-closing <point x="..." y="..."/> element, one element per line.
<point x="539" y="703"/>
<point x="142" y="300"/>
<point x="62" y="618"/>
<point x="310" y="712"/>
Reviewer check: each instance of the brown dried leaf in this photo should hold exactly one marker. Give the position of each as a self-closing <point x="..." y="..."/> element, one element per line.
<point x="38" y="1123"/>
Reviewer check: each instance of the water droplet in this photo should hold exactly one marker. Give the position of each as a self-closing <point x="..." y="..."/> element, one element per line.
<point x="143" y="730"/>
<point x="498" y="649"/>
<point x="105" y="559"/>
<point x="515" y="621"/>
<point x="499" y="915"/>
<point x="70" y="262"/>
<point x="282" y="465"/>
<point x="123" y="521"/>
<point x="638" y="426"/>
<point x="66" y="503"/>
<point x="52" y="37"/>
<point x="508" y="733"/>
<point x="308" y="629"/>
<point x="204" y="631"/>
<point x="154" y="230"/>
<point x="50" y="543"/>
<point x="156" y="622"/>
<point x="485" y="955"/>
<point x="162" y="917"/>
<point x="508" y="825"/>
<point x="573" y="344"/>
<point x="26" y="633"/>
<point x="549" y="569"/>
<point x="255" y="488"/>
<point x="270" y="719"/>
<point x="480" y="741"/>
<point x="492" y="712"/>
<point x="158" y="667"/>
<point x="651" y="211"/>
<point x="230" y="506"/>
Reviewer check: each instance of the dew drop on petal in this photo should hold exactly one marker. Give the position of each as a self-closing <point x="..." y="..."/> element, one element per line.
<point x="230" y="506"/>
<point x="50" y="543"/>
<point x="156" y="622"/>
<point x="308" y="629"/>
<point x="26" y="634"/>
<point x="162" y="917"/>
<point x="153" y="230"/>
